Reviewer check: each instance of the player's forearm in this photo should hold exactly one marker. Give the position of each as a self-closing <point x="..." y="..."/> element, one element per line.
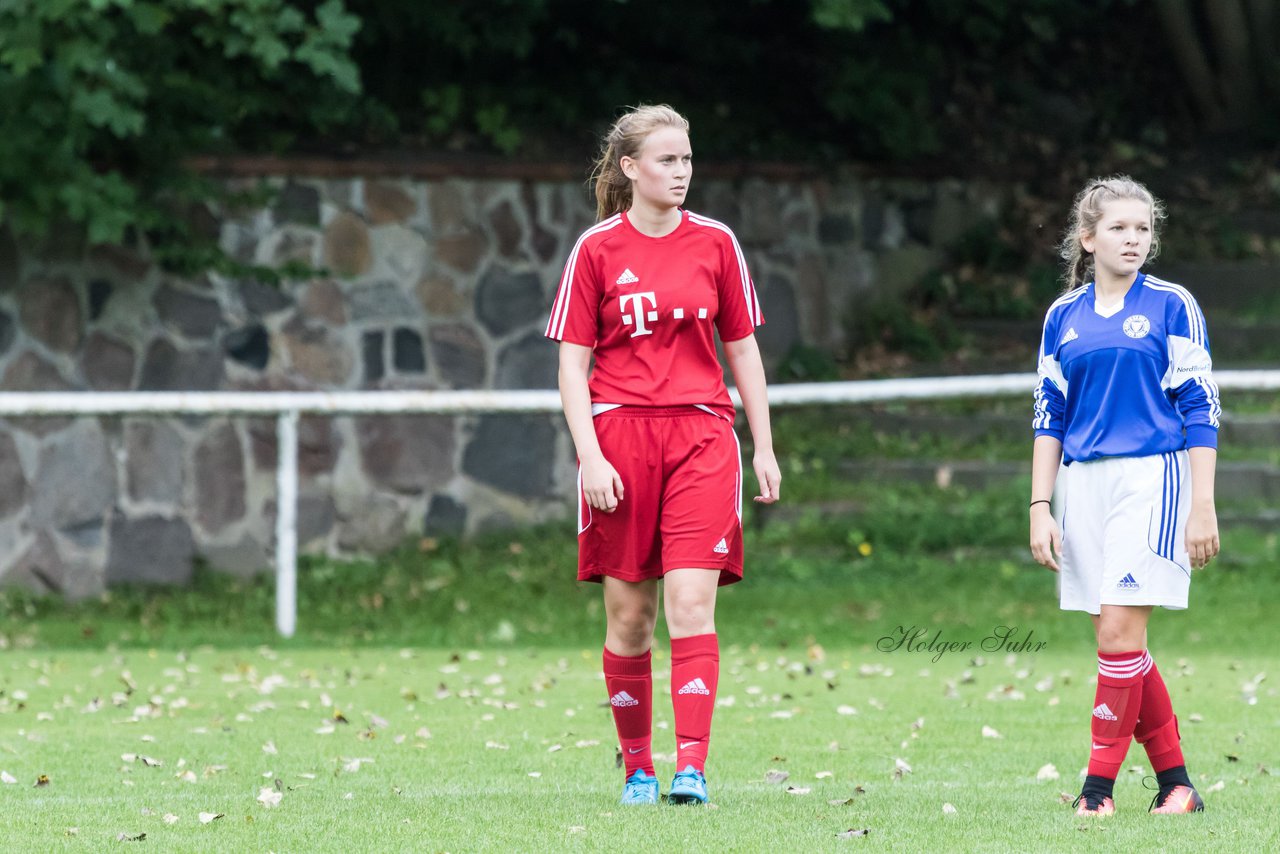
<point x="575" y="397"/>
<point x="1046" y="457"/>
<point x="747" y="368"/>
<point x="1204" y="463"/>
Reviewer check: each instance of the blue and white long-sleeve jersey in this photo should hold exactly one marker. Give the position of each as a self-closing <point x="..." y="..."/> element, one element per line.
<point x="1130" y="381"/>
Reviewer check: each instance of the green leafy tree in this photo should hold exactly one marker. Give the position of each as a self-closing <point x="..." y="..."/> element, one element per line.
<point x="105" y="99"/>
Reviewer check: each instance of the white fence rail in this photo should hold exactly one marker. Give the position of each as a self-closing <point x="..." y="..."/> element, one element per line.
<point x="288" y="406"/>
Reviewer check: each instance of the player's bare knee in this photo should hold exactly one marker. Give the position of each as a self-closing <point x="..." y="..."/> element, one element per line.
<point x="632" y="626"/>
<point x="1120" y="638"/>
<point x="690" y="615"/>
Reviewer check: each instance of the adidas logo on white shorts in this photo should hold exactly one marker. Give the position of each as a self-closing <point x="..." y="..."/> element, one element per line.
<point x="722" y="548"/>
<point x="1128" y="583"/>
<point x="1102" y="712"/>
<point x="695" y="686"/>
<point x="628" y="278"/>
<point x="622" y="698"/>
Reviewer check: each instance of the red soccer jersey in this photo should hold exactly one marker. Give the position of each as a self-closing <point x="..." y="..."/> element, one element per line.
<point x="647" y="306"/>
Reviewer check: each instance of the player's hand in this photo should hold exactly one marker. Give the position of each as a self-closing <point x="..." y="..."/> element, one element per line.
<point x="601" y="484"/>
<point x="769" y="476"/>
<point x="1046" y="539"/>
<point x="1202" y="535"/>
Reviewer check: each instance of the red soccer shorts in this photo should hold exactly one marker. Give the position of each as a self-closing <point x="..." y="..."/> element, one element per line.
<point x="681" y="471"/>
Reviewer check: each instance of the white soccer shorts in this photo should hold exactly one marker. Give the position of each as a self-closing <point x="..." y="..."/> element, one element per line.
<point x="1124" y="526"/>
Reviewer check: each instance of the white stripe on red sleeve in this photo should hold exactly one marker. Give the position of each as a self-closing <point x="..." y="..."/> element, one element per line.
<point x="744" y="276"/>
<point x="560" y="308"/>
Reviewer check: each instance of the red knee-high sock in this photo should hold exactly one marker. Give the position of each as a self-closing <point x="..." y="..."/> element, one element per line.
<point x="629" y="680"/>
<point x="1115" y="710"/>
<point x="695" y="671"/>
<point x="1157" y="728"/>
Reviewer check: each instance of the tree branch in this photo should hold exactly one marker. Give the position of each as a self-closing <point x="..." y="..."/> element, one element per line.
<point x="1262" y="19"/>
<point x="1180" y="33"/>
<point x="1231" y="39"/>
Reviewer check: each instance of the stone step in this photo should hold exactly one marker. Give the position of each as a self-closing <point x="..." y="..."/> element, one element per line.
<point x="1235" y="341"/>
<point x="1235" y="481"/>
<point x="970" y="474"/>
<point x="1239" y="430"/>
<point x="1230" y="285"/>
<point x="1264" y="520"/>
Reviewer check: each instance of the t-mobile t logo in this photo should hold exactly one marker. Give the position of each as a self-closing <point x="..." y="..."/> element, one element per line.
<point x="635" y="304"/>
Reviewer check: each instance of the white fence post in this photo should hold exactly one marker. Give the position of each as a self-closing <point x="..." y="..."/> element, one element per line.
<point x="286" y="523"/>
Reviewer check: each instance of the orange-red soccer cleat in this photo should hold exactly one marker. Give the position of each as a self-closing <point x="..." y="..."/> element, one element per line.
<point x="1089" y="805"/>
<point x="1177" y="800"/>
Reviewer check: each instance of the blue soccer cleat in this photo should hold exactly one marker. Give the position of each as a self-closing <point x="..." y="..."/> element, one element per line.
<point x="689" y="787"/>
<point x="640" y="789"/>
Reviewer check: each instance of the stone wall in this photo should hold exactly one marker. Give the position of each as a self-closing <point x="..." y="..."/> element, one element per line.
<point x="433" y="282"/>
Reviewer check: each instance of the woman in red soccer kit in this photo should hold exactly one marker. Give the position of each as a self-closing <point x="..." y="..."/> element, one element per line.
<point x="645" y="292"/>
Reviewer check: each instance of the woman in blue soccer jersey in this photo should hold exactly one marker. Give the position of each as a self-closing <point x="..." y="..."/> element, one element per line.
<point x="1126" y="401"/>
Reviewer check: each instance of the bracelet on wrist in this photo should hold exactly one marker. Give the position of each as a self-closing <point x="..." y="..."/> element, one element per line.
<point x="1039" y="501"/>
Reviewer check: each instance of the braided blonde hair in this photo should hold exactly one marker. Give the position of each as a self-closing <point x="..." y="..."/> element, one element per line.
<point x="1085" y="213"/>
<point x="624" y="139"/>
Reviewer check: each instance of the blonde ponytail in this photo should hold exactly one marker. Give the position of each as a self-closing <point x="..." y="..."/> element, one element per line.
<point x="624" y="139"/>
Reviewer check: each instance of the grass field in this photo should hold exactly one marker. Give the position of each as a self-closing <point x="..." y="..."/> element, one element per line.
<point x="447" y="698"/>
<point x="512" y="750"/>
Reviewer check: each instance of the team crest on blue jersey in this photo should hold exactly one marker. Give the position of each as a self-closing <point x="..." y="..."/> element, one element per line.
<point x="1137" y="326"/>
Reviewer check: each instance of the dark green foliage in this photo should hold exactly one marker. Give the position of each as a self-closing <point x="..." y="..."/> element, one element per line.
<point x="907" y="325"/>
<point x="804" y="363"/>
<point x="104" y="100"/>
<point x="976" y="84"/>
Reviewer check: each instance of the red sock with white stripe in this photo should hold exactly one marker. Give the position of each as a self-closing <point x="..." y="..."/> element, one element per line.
<point x="1115" y="709"/>
<point x="695" y="671"/>
<point x="629" y="680"/>
<point x="1157" y="728"/>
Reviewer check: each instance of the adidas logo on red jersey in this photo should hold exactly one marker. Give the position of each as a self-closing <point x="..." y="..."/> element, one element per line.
<point x="695" y="686"/>
<point x="628" y="278"/>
